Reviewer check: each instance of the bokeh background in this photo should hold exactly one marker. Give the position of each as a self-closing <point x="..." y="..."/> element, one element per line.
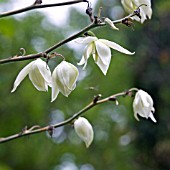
<point x="121" y="142"/>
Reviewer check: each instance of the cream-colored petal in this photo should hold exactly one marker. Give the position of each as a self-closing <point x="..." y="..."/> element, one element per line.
<point x="66" y="77"/>
<point x="129" y="5"/>
<point x="152" y="117"/>
<point x="146" y="9"/>
<point x="103" y="52"/>
<point x="86" y="40"/>
<point x="55" y="90"/>
<point x="22" y="74"/>
<point x="44" y="70"/>
<point x="116" y="46"/>
<point x="37" y="79"/>
<point x="103" y="67"/>
<point x="87" y="53"/>
<point x="70" y="74"/>
<point x="136" y="116"/>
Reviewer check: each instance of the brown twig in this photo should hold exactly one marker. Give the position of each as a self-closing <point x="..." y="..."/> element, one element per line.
<point x="38" y="6"/>
<point x="95" y="101"/>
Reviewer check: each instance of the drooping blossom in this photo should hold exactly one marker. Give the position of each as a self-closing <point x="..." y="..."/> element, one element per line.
<point x="39" y="74"/>
<point x="84" y="130"/>
<point x="143" y="105"/>
<point x="64" y="79"/>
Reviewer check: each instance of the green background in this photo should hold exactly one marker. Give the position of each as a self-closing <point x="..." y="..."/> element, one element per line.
<point x="121" y="142"/>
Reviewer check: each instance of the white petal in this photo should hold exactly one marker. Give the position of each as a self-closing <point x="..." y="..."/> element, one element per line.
<point x="44" y="70"/>
<point x="87" y="53"/>
<point x="37" y="79"/>
<point x="66" y="77"/>
<point x="136" y="116"/>
<point x="128" y="5"/>
<point x="86" y="40"/>
<point x="116" y="46"/>
<point x="146" y="98"/>
<point x="102" y="66"/>
<point x="84" y="130"/>
<point x="146" y="9"/>
<point x="22" y="74"/>
<point x="152" y="117"/>
<point x="103" y="52"/>
<point x="55" y="90"/>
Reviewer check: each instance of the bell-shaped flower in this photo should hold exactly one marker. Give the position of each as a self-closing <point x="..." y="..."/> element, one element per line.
<point x="64" y="79"/>
<point x="39" y="74"/>
<point x="145" y="9"/>
<point x="143" y="105"/>
<point x="100" y="50"/>
<point x="84" y="130"/>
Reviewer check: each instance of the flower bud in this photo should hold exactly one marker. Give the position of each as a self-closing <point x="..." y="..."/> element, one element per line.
<point x="84" y="130"/>
<point x="142" y="9"/>
<point x="110" y="23"/>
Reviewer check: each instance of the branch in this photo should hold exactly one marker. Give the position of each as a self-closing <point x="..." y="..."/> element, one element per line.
<point x="38" y="6"/>
<point x="37" y="129"/>
<point x="74" y="36"/>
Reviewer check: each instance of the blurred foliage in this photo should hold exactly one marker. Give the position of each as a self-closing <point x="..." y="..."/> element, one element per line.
<point x="121" y="143"/>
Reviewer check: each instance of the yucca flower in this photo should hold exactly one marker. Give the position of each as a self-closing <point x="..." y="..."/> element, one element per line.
<point x="100" y="50"/>
<point x="39" y="74"/>
<point x="64" y="79"/>
<point x="143" y="105"/>
<point x="84" y="130"/>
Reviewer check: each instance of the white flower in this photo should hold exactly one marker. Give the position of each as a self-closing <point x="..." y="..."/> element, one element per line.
<point x="100" y="49"/>
<point x="110" y="23"/>
<point x="143" y="105"/>
<point x="64" y="79"/>
<point x="145" y="9"/>
<point x="84" y="130"/>
<point x="39" y="74"/>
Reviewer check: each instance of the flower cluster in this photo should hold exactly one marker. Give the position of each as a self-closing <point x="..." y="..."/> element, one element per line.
<point x="63" y="78"/>
<point x="144" y="5"/>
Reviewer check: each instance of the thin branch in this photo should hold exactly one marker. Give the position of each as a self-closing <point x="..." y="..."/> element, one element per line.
<point x="96" y="101"/>
<point x="43" y="54"/>
<point x="72" y="37"/>
<point x="38" y="6"/>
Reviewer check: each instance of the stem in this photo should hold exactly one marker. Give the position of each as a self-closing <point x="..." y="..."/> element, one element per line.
<point x="43" y="54"/>
<point x="38" y="6"/>
<point x="89" y="27"/>
<point x="92" y="104"/>
<point x="72" y="37"/>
